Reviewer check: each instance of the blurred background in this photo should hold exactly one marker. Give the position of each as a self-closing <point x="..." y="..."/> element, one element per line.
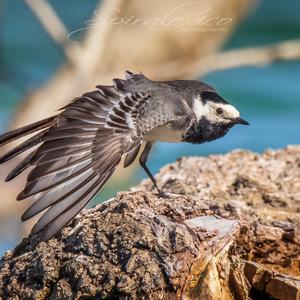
<point x="52" y="51"/>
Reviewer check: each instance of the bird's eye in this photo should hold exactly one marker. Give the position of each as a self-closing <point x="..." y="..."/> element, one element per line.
<point x="219" y="110"/>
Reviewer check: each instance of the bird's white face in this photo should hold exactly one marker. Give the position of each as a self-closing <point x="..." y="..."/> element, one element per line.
<point x="215" y="112"/>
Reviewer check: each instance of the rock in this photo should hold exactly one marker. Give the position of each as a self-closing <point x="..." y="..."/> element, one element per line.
<point x="257" y="275"/>
<point x="271" y="284"/>
<point x="283" y="288"/>
<point x="215" y="237"/>
<point x="268" y="233"/>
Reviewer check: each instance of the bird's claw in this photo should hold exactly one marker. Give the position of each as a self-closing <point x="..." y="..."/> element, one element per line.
<point x="162" y="194"/>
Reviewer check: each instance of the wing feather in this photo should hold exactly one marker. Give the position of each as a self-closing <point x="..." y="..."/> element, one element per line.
<point x="58" y="207"/>
<point x="31" y="142"/>
<point x="47" y="182"/>
<point x="49" y="168"/>
<point x="53" y="156"/>
<point x="22" y="166"/>
<point x="131" y="155"/>
<point x="56" y="144"/>
<point x="68" y="133"/>
<point x="69" y="213"/>
<point x="44" y="200"/>
<point x="25" y="130"/>
<point x="76" y="156"/>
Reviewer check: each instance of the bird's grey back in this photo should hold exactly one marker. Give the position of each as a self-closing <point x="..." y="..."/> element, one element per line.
<point x="166" y="101"/>
<point x="165" y="92"/>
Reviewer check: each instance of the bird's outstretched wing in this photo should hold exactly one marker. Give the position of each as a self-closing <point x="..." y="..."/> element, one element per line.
<point x="75" y="152"/>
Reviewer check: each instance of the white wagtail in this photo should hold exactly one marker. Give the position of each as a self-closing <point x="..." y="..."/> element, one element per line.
<point x="76" y="151"/>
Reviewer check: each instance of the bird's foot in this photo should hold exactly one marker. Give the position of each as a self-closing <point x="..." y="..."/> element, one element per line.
<point x="162" y="194"/>
<point x="165" y="195"/>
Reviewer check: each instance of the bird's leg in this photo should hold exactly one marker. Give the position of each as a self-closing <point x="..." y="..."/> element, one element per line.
<point x="143" y="160"/>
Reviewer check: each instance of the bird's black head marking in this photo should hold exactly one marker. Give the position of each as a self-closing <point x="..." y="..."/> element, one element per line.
<point x="212" y="96"/>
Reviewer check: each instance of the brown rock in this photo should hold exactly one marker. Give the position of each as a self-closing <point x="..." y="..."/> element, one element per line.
<point x="220" y="239"/>
<point x="268" y="233"/>
<point x="284" y="288"/>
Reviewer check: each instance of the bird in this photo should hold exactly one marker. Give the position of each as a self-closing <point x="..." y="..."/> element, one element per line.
<point x="75" y="152"/>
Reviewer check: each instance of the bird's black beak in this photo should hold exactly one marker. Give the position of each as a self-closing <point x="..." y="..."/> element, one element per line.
<point x="240" y="121"/>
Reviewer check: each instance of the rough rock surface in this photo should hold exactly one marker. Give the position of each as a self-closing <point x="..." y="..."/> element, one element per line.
<point x="262" y="189"/>
<point x="231" y="232"/>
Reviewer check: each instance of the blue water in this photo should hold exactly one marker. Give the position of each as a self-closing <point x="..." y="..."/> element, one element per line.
<point x="268" y="97"/>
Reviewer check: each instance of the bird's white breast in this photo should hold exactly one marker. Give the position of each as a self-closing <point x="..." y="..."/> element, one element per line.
<point x="164" y="134"/>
